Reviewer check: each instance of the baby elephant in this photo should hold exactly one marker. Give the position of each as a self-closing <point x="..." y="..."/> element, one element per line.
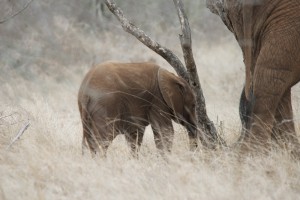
<point x="124" y="98"/>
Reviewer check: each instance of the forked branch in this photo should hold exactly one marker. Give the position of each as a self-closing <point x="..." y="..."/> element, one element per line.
<point x="129" y="27"/>
<point x="20" y="133"/>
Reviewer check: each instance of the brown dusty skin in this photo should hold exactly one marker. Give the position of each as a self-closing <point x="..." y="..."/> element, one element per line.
<point x="268" y="33"/>
<point x="124" y="98"/>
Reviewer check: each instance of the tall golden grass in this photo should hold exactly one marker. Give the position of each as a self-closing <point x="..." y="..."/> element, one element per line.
<point x="46" y="162"/>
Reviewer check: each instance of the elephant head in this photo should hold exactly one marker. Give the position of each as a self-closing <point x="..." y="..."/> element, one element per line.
<point x="179" y="96"/>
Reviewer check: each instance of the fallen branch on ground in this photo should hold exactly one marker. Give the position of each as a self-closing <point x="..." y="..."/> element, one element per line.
<point x="22" y="130"/>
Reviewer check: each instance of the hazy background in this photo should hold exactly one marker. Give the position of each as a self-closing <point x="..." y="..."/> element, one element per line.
<point x="45" y="52"/>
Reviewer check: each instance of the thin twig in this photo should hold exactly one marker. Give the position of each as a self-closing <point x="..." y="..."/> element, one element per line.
<point x="15" y="14"/>
<point x="129" y="27"/>
<point x="21" y="131"/>
<point x="5" y="116"/>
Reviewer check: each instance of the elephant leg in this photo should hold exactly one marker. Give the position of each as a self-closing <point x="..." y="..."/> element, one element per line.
<point x="163" y="135"/>
<point x="269" y="85"/>
<point x="135" y="140"/>
<point x="284" y="129"/>
<point x="93" y="139"/>
<point x="107" y="135"/>
<point x="245" y="109"/>
<point x="89" y="137"/>
<point x="101" y="137"/>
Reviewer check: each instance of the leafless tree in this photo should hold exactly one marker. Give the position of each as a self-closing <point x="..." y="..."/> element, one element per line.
<point x="208" y="136"/>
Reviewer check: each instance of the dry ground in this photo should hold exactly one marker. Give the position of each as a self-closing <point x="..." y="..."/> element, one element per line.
<point x="40" y="72"/>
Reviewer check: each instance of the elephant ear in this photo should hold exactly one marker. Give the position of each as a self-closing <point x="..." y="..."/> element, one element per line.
<point x="172" y="89"/>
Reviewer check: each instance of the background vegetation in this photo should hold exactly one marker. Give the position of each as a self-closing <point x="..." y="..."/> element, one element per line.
<point x="44" y="53"/>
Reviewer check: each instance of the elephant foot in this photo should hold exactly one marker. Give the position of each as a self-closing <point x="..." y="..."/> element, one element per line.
<point x="253" y="146"/>
<point x="295" y="154"/>
<point x="287" y="142"/>
<point x="294" y="150"/>
<point x="250" y="148"/>
<point x="193" y="144"/>
<point x="134" y="152"/>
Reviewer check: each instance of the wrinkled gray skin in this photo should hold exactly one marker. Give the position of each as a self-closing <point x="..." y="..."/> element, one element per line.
<point x="268" y="32"/>
<point x="123" y="98"/>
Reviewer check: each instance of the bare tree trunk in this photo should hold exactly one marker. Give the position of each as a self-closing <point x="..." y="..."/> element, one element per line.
<point x="208" y="136"/>
<point x="204" y="122"/>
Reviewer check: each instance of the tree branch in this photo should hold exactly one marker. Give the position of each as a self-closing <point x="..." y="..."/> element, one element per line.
<point x="15" y="14"/>
<point x="129" y="27"/>
<point x="204" y="122"/>
<point x="208" y="136"/>
<point x="20" y="133"/>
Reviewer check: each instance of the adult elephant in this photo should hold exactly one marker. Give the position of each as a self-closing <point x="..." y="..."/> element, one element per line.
<point x="268" y="32"/>
<point x="124" y="98"/>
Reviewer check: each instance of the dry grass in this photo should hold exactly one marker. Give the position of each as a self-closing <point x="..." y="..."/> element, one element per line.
<point x="46" y="163"/>
<point x="40" y="83"/>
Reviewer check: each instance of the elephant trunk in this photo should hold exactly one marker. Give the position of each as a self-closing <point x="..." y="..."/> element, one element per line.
<point x="193" y="134"/>
<point x="245" y="111"/>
